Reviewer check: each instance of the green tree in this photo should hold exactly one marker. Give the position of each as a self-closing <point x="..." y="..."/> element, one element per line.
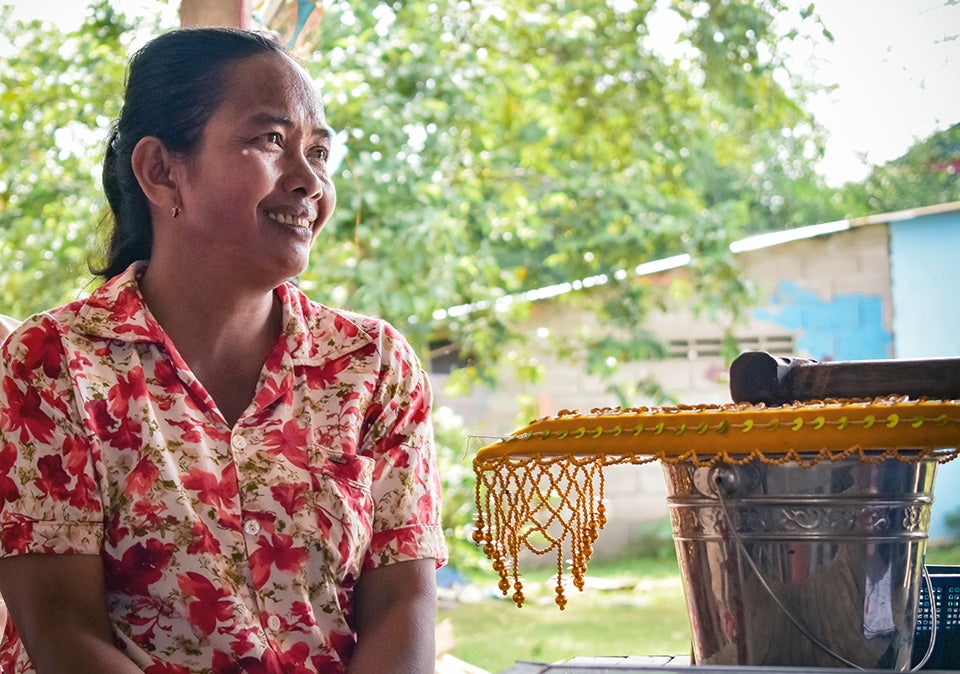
<point x="492" y="150"/>
<point x="458" y="483"/>
<point x="928" y="173"/>
<point x="58" y="92"/>
<point x="495" y="149"/>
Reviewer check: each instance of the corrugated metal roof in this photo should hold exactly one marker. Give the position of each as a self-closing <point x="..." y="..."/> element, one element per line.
<point x="676" y="261"/>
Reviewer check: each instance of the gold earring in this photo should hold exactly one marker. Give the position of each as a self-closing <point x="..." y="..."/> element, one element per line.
<point x="175" y="212"/>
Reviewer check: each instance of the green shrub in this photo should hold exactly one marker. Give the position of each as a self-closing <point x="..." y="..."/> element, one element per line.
<point x="952" y="520"/>
<point x="455" y="464"/>
<point x="654" y="541"/>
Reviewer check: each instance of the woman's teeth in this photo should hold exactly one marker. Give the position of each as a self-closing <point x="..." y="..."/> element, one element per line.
<point x="287" y="219"/>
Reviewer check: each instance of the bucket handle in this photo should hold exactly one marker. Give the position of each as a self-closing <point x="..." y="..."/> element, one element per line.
<point x="741" y="548"/>
<point x="933" y="618"/>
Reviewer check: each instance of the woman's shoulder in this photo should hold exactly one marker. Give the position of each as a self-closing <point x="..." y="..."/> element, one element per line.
<point x="42" y="331"/>
<point x="57" y="319"/>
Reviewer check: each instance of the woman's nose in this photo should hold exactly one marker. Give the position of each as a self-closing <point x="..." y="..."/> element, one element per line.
<point x="300" y="174"/>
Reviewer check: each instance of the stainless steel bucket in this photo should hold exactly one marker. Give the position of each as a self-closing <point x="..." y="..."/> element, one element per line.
<point x="786" y="565"/>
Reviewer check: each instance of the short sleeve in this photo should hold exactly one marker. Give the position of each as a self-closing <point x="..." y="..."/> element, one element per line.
<point x="49" y="493"/>
<point x="406" y="484"/>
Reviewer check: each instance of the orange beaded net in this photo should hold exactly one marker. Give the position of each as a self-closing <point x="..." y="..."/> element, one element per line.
<point x="540" y="489"/>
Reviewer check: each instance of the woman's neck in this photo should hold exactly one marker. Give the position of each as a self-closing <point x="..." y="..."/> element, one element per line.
<point x="223" y="332"/>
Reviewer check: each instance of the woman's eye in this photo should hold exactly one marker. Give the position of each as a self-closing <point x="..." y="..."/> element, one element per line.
<point x="273" y="137"/>
<point x="321" y="153"/>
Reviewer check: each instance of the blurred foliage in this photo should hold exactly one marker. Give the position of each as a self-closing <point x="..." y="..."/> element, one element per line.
<point x="652" y="540"/>
<point x="58" y="92"/>
<point x="458" y="482"/>
<point x="492" y="150"/>
<point x="952" y="520"/>
<point x="495" y="149"/>
<point x="928" y="173"/>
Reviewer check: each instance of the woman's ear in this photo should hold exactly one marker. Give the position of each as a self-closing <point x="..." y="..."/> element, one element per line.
<point x="154" y="165"/>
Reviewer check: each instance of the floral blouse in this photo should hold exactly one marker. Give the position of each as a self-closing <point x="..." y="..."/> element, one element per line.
<point x="225" y="549"/>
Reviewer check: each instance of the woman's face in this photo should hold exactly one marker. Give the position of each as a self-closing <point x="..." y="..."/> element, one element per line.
<point x="256" y="191"/>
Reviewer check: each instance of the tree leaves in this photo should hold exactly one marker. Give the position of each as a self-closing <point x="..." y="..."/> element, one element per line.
<point x="554" y="145"/>
<point x="927" y="174"/>
<point x="492" y="150"/>
<point x="59" y="91"/>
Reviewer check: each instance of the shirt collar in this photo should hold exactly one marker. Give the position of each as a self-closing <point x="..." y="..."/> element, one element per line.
<point x="116" y="310"/>
<point x="314" y="333"/>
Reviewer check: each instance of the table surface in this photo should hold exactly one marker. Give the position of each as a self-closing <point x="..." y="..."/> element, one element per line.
<point x="665" y="664"/>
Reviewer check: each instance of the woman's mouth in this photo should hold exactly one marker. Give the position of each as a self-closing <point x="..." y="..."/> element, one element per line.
<point x="288" y="219"/>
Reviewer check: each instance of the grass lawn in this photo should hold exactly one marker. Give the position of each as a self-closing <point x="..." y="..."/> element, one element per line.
<point x="631" y="607"/>
<point x="625" y="609"/>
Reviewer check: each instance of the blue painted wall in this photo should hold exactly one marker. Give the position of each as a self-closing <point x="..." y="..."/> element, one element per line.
<point x="844" y="327"/>
<point x="925" y="286"/>
<point x="925" y="278"/>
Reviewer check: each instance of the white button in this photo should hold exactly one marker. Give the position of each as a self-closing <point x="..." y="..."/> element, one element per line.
<point x="273" y="623"/>
<point x="252" y="527"/>
<point x="238" y="442"/>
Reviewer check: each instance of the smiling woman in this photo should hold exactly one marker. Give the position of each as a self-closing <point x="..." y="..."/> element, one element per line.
<point x="201" y="470"/>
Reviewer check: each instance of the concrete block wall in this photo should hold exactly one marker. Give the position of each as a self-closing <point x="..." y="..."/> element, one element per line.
<point x="832" y="292"/>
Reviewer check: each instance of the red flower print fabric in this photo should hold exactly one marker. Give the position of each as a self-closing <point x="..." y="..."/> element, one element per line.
<point x="226" y="549"/>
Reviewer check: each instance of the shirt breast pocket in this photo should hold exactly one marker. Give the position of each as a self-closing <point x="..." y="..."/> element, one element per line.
<point x="343" y="507"/>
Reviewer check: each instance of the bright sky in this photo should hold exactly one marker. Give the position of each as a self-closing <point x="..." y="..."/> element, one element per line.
<point x="895" y="64"/>
<point x="68" y="13"/>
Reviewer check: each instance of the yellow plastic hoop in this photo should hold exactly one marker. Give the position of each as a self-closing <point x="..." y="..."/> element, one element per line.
<point x="540" y="489"/>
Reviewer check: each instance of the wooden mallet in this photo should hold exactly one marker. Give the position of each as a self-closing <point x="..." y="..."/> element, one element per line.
<point x="759" y="377"/>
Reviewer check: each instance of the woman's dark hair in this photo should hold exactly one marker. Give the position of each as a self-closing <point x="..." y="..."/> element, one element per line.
<point x="174" y="85"/>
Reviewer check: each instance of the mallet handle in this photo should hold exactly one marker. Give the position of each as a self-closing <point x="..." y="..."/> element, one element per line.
<point x="759" y="377"/>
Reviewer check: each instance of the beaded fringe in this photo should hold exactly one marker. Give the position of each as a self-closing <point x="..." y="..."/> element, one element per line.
<point x="554" y="503"/>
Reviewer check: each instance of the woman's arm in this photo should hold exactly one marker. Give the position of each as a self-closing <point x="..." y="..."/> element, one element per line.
<point x="395" y="619"/>
<point x="58" y="604"/>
